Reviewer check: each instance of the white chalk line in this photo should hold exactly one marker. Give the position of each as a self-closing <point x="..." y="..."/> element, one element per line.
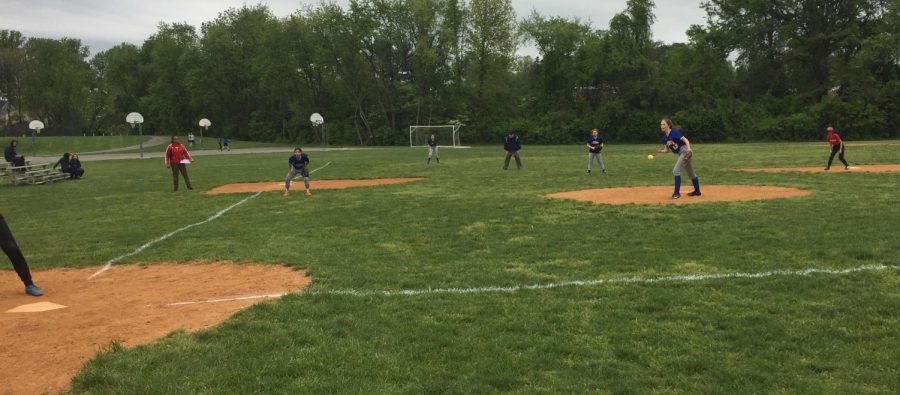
<point x="110" y="262"/>
<point x="315" y="170"/>
<point x="220" y="300"/>
<point x="612" y="281"/>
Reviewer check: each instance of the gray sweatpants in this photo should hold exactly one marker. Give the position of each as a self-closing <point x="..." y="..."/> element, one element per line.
<point x="292" y="174"/>
<point x="510" y="154"/>
<point x="688" y="165"/>
<point x="599" y="157"/>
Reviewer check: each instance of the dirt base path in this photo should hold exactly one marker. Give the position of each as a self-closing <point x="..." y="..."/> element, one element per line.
<point x="663" y="195"/>
<point x="313" y="185"/>
<point x="40" y="352"/>
<point x="839" y="168"/>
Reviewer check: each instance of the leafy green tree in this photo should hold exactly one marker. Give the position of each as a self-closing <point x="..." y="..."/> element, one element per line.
<point x="171" y="53"/>
<point x="12" y="70"/>
<point x="491" y="44"/>
<point x="56" y="81"/>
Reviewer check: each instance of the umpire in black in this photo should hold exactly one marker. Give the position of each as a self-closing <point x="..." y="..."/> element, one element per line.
<point x="512" y="145"/>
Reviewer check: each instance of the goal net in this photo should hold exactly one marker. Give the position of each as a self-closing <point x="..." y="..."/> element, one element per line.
<point x="447" y="135"/>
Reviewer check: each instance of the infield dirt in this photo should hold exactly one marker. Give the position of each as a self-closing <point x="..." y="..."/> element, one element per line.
<point x="663" y="194"/>
<point x="314" y="185"/>
<point x="129" y="304"/>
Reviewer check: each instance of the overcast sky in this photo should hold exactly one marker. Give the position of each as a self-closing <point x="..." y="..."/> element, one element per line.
<point x="102" y="24"/>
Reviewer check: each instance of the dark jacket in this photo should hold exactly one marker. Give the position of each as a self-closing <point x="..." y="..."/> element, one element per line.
<point x="10" y="153"/>
<point x="512" y="143"/>
<point x="65" y="165"/>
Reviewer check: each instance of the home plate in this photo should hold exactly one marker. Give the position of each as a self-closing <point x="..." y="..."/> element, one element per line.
<point x="36" y="307"/>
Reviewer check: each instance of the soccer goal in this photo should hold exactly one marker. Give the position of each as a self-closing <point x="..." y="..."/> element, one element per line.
<point x="447" y="135"/>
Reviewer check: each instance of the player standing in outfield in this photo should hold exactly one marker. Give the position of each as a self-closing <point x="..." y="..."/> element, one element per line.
<point x="11" y="249"/>
<point x="433" y="149"/>
<point x="674" y="141"/>
<point x="177" y="157"/>
<point x="837" y="147"/>
<point x="595" y="145"/>
<point x="512" y="145"/>
<point x="298" y="164"/>
<point x="190" y="139"/>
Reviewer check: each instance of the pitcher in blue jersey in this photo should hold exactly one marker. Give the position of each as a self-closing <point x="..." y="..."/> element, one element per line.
<point x="674" y="141"/>
<point x="298" y="164"/>
<point x="595" y="145"/>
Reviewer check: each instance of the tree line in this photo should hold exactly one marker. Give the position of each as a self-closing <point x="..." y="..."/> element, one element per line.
<point x="757" y="70"/>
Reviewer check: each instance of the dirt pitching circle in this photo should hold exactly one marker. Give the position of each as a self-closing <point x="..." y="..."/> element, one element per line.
<point x="839" y="168"/>
<point x="249" y="187"/>
<point x="663" y="194"/>
<point x="129" y="304"/>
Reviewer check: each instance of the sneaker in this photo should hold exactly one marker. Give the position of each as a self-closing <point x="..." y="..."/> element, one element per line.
<point x="308" y="193"/>
<point x="285" y="194"/>
<point x="589" y="172"/>
<point x="34" y="290"/>
<point x="604" y="171"/>
<point x="846" y="168"/>
<point x="695" y="193"/>
<point x="827" y="168"/>
<point x="676" y="196"/>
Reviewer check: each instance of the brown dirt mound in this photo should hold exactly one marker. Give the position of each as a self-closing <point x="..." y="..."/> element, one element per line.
<point x="127" y="304"/>
<point x="663" y="195"/>
<point x="313" y="185"/>
<point x="834" y="169"/>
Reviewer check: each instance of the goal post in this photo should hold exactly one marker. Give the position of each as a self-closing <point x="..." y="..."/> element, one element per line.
<point x="447" y="135"/>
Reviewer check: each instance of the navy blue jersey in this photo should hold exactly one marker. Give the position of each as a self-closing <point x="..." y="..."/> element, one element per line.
<point x="432" y="141"/>
<point x="511" y="143"/>
<point x="299" y="163"/>
<point x="675" y="137"/>
<point x="595" y="143"/>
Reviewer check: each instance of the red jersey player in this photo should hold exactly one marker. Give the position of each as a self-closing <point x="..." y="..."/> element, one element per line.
<point x="837" y="147"/>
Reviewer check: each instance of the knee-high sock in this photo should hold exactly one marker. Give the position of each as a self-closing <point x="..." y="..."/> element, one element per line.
<point x="696" y="181"/>
<point x="677" y="185"/>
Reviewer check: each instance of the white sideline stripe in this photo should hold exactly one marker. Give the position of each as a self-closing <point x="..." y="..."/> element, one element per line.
<point x="323" y="166"/>
<point x="110" y="262"/>
<point x="315" y="170"/>
<point x="227" y="299"/>
<point x="588" y="283"/>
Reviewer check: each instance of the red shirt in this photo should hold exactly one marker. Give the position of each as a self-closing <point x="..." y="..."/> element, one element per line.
<point x="176" y="153"/>
<point x="834" y="139"/>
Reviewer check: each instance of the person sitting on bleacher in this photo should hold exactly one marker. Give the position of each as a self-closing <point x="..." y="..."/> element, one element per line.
<point x="75" y="164"/>
<point x="71" y="165"/>
<point x="11" y="156"/>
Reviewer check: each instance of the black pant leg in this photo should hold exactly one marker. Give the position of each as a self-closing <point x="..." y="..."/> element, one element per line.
<point x="831" y="157"/>
<point x="11" y="249"/>
<point x="183" y="169"/>
<point x="175" y="175"/>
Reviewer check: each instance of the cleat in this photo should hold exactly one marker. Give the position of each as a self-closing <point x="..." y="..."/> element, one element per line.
<point x="695" y="193"/>
<point x="285" y="194"/>
<point x="308" y="193"/>
<point x="827" y="168"/>
<point x="846" y="168"/>
<point x="34" y="290"/>
<point x="589" y="172"/>
<point x="676" y="196"/>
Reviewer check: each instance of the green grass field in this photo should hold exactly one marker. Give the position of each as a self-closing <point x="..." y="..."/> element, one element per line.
<point x="57" y="145"/>
<point x="471" y="225"/>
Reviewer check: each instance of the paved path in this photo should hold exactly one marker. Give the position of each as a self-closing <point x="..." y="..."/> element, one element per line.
<point x="155" y="140"/>
<point x="159" y="155"/>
